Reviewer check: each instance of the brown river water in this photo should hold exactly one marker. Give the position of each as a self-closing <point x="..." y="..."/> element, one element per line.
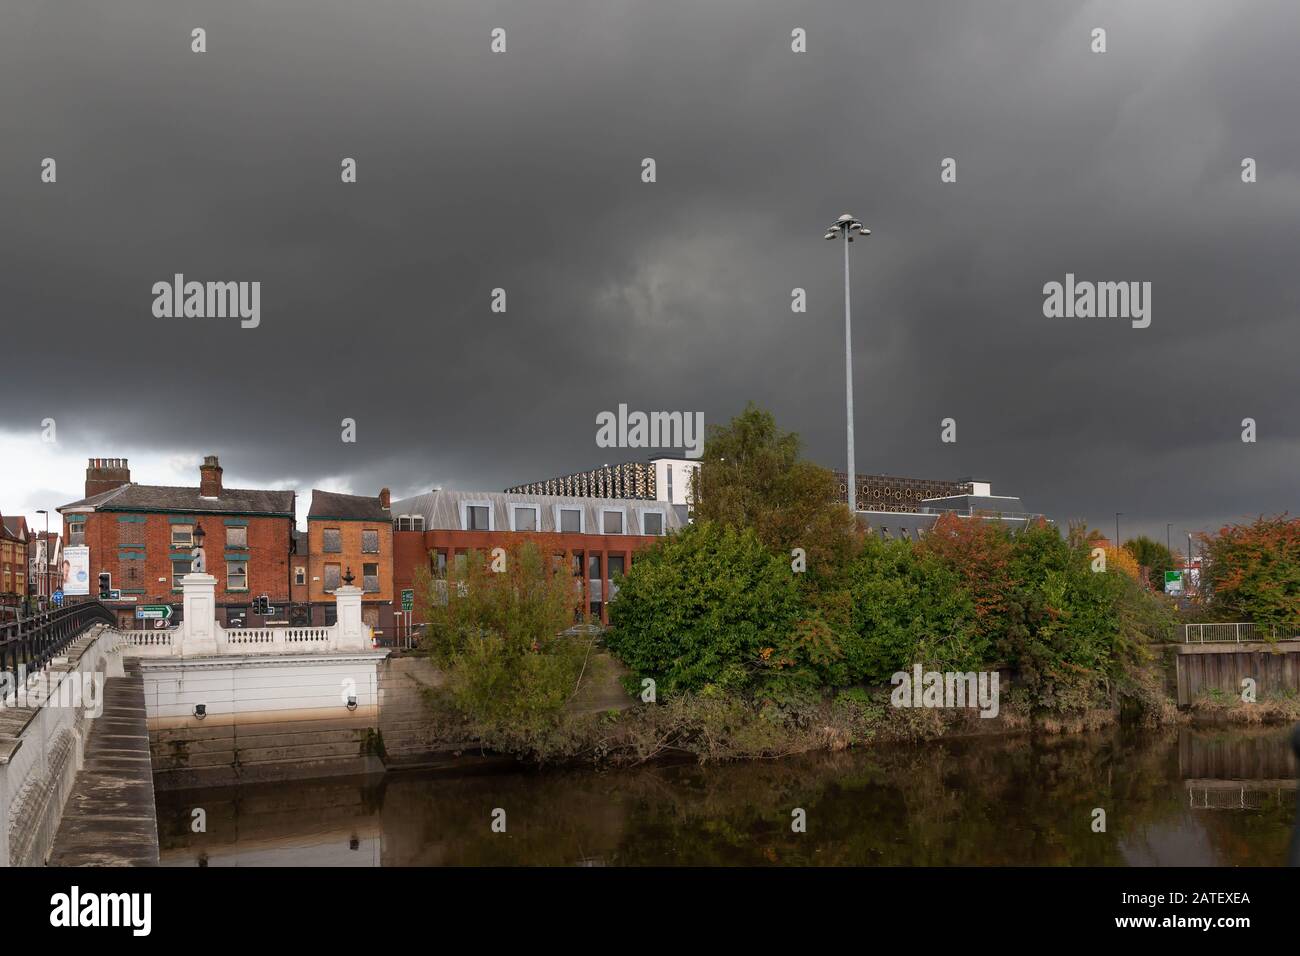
<point x="1222" y="797"/>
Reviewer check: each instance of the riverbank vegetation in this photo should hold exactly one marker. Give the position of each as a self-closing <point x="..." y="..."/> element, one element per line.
<point x="774" y="623"/>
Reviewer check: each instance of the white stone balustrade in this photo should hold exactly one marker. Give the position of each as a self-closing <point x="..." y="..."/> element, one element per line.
<point x="199" y="634"/>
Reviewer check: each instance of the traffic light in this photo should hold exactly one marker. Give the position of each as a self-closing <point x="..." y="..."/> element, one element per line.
<point x="105" y="585"/>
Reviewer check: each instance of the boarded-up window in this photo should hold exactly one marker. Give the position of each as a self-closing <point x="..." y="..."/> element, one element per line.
<point x="331" y="577"/>
<point x="370" y="542"/>
<point x="130" y="532"/>
<point x="332" y="540"/>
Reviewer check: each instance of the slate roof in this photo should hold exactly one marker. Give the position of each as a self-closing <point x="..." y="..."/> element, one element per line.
<point x="14" y="527"/>
<point x="330" y="504"/>
<point x="133" y="497"/>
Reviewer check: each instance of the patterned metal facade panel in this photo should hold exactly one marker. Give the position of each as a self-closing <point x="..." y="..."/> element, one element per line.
<point x="634" y="480"/>
<point x="891" y="494"/>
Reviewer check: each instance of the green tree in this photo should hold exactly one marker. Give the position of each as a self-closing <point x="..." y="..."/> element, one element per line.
<point x="751" y="476"/>
<point x="907" y="608"/>
<point x="1154" y="558"/>
<point x="708" y="605"/>
<point x="497" y="636"/>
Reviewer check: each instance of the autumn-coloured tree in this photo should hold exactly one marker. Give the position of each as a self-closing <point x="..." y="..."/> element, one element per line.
<point x="1251" y="572"/>
<point x="979" y="552"/>
<point x="1124" y="561"/>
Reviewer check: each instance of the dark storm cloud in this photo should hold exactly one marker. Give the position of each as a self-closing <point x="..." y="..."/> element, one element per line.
<point x="522" y="171"/>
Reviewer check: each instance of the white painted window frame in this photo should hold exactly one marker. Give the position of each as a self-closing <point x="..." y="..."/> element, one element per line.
<point x="604" y="510"/>
<point x="464" y="514"/>
<point x="535" y="509"/>
<point x="582" y="517"/>
<point x="663" y="519"/>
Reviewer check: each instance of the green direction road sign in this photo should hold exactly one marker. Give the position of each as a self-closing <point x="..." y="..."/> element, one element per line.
<point x="1173" y="582"/>
<point x="408" y="599"/>
<point x="152" y="612"/>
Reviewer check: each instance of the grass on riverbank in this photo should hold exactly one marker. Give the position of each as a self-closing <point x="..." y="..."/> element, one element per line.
<point x="716" y="726"/>
<point x="1219" y="707"/>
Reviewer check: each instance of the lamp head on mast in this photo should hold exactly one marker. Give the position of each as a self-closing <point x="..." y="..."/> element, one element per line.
<point x="846" y="226"/>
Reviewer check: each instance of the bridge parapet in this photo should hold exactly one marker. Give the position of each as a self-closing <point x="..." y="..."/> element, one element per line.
<point x="199" y="634"/>
<point x="45" y="718"/>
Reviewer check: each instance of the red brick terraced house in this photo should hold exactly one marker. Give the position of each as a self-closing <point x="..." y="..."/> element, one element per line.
<point x="14" y="561"/>
<point x="602" y="534"/>
<point x="143" y="537"/>
<point x="350" y="533"/>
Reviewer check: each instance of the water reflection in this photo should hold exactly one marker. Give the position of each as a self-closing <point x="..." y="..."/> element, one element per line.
<point x="1008" y="801"/>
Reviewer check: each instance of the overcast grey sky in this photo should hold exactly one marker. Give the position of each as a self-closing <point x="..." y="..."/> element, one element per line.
<point x="522" y="170"/>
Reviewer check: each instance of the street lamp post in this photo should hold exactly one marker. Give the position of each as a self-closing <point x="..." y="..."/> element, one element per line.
<point x="844" y="228"/>
<point x="1117" y="514"/>
<point x="45" y="556"/>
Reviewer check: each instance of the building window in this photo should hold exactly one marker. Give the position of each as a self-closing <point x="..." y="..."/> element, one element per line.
<point x="235" y="617"/>
<point x="417" y="522"/>
<point x="299" y="576"/>
<point x="652" y="522"/>
<point x="236" y="537"/>
<point x="236" y="575"/>
<point x="332" y="541"/>
<point x="404" y="523"/>
<point x="130" y="532"/>
<point x="670" y="483"/>
<point x="476" y="516"/>
<point x="611" y="522"/>
<point x="179" y="570"/>
<point x="183" y="535"/>
<point x="332" y="577"/>
<point x="370" y="577"/>
<point x="369" y="541"/>
<point x="440" y="565"/>
<point x="524" y="517"/>
<point x="570" y="520"/>
<point x="615" y="568"/>
<point x="77" y="530"/>
<point x="331" y="615"/>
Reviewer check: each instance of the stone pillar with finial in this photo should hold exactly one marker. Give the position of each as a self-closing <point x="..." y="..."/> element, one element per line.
<point x="353" y="635"/>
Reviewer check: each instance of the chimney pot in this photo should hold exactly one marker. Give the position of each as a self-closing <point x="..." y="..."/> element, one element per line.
<point x="105" y="474"/>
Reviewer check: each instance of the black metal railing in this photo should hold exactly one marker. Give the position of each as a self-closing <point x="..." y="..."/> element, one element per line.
<point x="31" y="642"/>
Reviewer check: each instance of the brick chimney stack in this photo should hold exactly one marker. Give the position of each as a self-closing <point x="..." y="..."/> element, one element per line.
<point x="105" y="474"/>
<point x="385" y="498"/>
<point x="210" y="478"/>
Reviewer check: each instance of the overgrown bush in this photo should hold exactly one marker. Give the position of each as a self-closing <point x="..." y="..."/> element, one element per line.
<point x="705" y="606"/>
<point x="496" y="634"/>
